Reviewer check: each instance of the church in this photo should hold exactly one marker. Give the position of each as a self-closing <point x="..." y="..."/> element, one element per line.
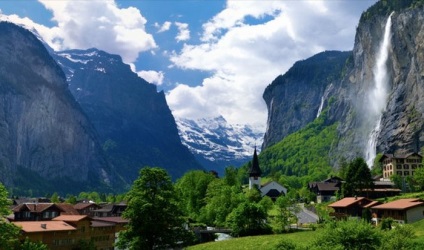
<point x="271" y="189"/>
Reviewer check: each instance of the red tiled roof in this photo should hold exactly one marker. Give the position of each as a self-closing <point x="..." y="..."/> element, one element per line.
<point x="43" y="226"/>
<point x="400" y="204"/>
<point x="70" y="218"/>
<point x="345" y="202"/>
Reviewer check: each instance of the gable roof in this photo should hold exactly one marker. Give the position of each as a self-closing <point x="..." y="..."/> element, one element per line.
<point x="43" y="226"/>
<point x="254" y="169"/>
<point x="67" y="209"/>
<point x="34" y="207"/>
<point x="348" y="201"/>
<point x="327" y="186"/>
<point x="83" y="205"/>
<point x="400" y="204"/>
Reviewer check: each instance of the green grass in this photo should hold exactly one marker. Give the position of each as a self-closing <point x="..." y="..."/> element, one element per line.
<point x="263" y="242"/>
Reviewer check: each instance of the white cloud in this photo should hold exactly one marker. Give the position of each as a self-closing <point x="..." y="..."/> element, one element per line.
<point x="100" y="24"/>
<point x="183" y="32"/>
<point x="245" y="58"/>
<point x="155" y="77"/>
<point x="164" y="27"/>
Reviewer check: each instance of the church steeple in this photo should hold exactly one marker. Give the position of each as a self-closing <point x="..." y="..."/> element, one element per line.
<point x="254" y="172"/>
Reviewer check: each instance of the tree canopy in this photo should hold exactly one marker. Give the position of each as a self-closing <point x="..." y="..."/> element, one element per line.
<point x="358" y="178"/>
<point x="155" y="219"/>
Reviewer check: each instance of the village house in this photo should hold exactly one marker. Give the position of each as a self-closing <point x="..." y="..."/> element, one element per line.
<point x="402" y="210"/>
<point x="36" y="211"/>
<point x="402" y="165"/>
<point x="68" y="231"/>
<point x="350" y="207"/>
<point x="326" y="189"/>
<point x="86" y="208"/>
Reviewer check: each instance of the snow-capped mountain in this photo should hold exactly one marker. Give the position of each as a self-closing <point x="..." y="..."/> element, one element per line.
<point x="217" y="144"/>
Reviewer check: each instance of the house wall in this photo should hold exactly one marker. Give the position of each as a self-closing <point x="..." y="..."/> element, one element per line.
<point x="415" y="214"/>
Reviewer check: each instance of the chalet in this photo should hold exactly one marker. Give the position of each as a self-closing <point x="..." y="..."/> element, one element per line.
<point x="350" y="207"/>
<point x="402" y="210"/>
<point x="402" y="165"/>
<point x="326" y="189"/>
<point x="57" y="235"/>
<point x="36" y="211"/>
<point x="67" y="232"/>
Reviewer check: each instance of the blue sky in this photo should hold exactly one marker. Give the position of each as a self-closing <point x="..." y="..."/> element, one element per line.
<point x="211" y="57"/>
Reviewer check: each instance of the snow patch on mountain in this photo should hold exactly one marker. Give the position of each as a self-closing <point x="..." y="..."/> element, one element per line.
<point x="218" y="144"/>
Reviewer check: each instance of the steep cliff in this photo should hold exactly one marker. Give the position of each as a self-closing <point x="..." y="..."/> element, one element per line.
<point x="134" y="123"/>
<point x="44" y="133"/>
<point x="297" y="97"/>
<point x="378" y="100"/>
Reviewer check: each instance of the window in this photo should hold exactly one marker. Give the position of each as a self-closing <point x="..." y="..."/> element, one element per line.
<point x="399" y="173"/>
<point x="414" y="166"/>
<point x="406" y="166"/>
<point x="405" y="172"/>
<point x="399" y="166"/>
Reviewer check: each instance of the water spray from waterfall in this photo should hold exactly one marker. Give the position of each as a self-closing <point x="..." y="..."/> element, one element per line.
<point x="378" y="95"/>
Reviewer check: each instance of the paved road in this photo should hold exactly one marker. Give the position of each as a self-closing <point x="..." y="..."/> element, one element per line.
<point x="305" y="216"/>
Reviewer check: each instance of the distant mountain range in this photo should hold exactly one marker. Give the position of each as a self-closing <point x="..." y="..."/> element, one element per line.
<point x="216" y="144"/>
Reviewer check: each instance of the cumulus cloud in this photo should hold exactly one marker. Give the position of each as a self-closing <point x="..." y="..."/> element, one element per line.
<point x="183" y="32"/>
<point x="245" y="57"/>
<point x="155" y="77"/>
<point x="100" y="24"/>
<point x="164" y="27"/>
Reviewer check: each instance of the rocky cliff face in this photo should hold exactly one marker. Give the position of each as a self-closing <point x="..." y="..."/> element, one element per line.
<point x="44" y="132"/>
<point x="134" y="123"/>
<point x="353" y="94"/>
<point x="297" y="97"/>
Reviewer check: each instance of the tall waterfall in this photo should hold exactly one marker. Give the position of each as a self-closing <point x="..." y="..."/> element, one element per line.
<point x="378" y="95"/>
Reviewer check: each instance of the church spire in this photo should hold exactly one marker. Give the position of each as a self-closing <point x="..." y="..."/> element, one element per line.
<point x="255" y="170"/>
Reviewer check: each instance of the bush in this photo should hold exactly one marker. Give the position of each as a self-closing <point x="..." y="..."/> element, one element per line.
<point x="349" y="235"/>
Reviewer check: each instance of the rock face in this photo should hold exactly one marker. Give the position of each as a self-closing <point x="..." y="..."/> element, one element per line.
<point x="135" y="125"/>
<point x="43" y="130"/>
<point x="217" y="144"/>
<point x="292" y="102"/>
<point x="295" y="98"/>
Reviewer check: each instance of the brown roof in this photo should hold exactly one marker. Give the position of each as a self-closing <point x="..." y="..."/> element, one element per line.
<point x="70" y="218"/>
<point x="372" y="204"/>
<point x="83" y="205"/>
<point x="68" y="209"/>
<point x="345" y="202"/>
<point x="115" y="219"/>
<point x="43" y="226"/>
<point x="327" y="186"/>
<point x="400" y="204"/>
<point x="33" y="207"/>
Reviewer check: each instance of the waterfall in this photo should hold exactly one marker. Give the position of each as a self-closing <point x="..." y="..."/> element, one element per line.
<point x="378" y="95"/>
<point x="320" y="106"/>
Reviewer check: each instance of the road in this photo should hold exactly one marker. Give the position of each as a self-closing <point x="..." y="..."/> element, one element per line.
<point x="305" y="216"/>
